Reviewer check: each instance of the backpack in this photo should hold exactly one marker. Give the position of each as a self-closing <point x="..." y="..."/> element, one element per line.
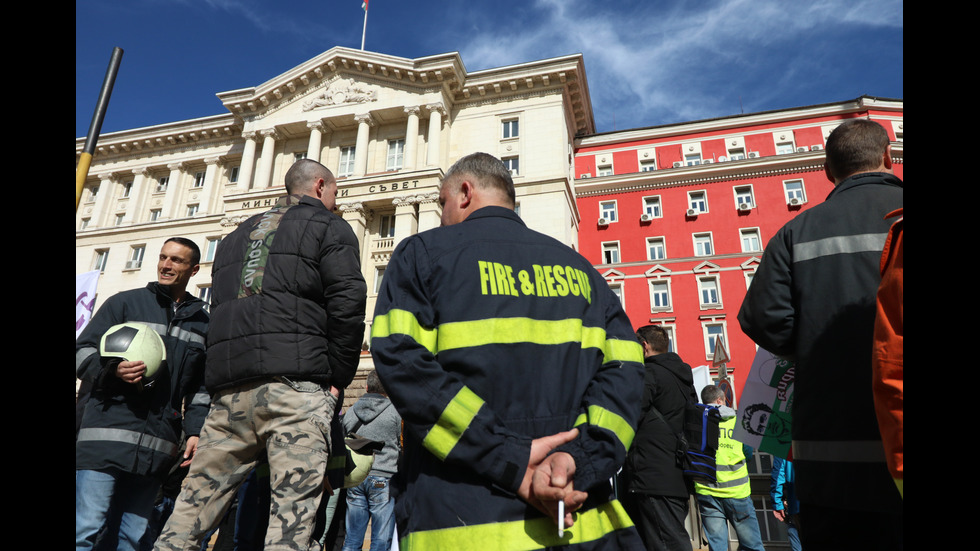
<point x="697" y="443"/>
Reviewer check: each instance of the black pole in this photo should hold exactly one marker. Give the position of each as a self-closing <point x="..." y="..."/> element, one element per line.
<point x="81" y="172"/>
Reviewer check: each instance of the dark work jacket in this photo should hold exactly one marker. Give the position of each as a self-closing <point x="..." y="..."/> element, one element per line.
<point x="651" y="465"/>
<point x="139" y="431"/>
<point x="813" y="299"/>
<point x="288" y="298"/>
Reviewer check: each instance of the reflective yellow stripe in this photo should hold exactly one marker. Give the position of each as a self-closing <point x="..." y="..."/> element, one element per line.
<point x="624" y="351"/>
<point x="402" y="322"/>
<point x="453" y="422"/>
<point x="522" y="535"/>
<point x="603" y="418"/>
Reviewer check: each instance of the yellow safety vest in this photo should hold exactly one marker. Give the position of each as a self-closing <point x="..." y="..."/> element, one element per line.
<point x="733" y="474"/>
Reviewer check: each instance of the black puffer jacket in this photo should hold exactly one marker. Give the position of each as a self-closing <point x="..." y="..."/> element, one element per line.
<point x="139" y="431"/>
<point x="288" y="298"/>
<point x="651" y="465"/>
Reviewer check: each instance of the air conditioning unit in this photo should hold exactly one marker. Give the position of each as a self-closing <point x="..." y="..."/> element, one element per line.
<point x="585" y="175"/>
<point x="692" y="212"/>
<point x="678" y="164"/>
<point x="754" y="154"/>
<point x="802" y="149"/>
<point x="134" y="264"/>
<point x="744" y="206"/>
<point x="816" y="147"/>
<point x="645" y="217"/>
<point x="722" y="159"/>
<point x="707" y="161"/>
<point x="603" y="222"/>
<point x="795" y="201"/>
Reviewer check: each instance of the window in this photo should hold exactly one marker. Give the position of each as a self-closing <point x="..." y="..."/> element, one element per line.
<point x="299" y="156"/>
<point x="648" y="166"/>
<point x="692" y="159"/>
<point x="127" y="189"/>
<point x="697" y="201"/>
<point x="396" y="154"/>
<point x="513" y="165"/>
<point x="192" y="210"/>
<point x="604" y="170"/>
<point x="751" y="242"/>
<point x="656" y="249"/>
<point x="379" y="274"/>
<point x="162" y="184"/>
<point x="387" y="225"/>
<point x="119" y="219"/>
<point x="712" y="332"/>
<point x="610" y="253"/>
<point x="346" y="161"/>
<point x="708" y="290"/>
<point x="744" y="198"/>
<point x="607" y="211"/>
<point x="101" y="256"/>
<point x="617" y="289"/>
<point x="795" y="193"/>
<point x="511" y="129"/>
<point x="93" y="193"/>
<point x="233" y="176"/>
<point x="736" y="154"/>
<point x="84" y="223"/>
<point x="783" y="148"/>
<point x="702" y="244"/>
<point x="204" y="293"/>
<point x="155" y="214"/>
<point x="659" y="296"/>
<point x="136" y="257"/>
<point x="211" y="248"/>
<point x="651" y="207"/>
<point x="198" y="179"/>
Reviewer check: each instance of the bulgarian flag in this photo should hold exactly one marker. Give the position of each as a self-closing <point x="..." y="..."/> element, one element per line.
<point x="364" y="5"/>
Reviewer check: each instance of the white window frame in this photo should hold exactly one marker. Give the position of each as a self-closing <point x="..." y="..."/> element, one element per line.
<point x="348" y="154"/>
<point x="750" y="233"/>
<point x="386" y="222"/>
<point x="513" y="165"/>
<point x="210" y="248"/>
<point x="700" y="238"/>
<point x="510" y="128"/>
<point x="204" y="293"/>
<point x="695" y="204"/>
<point x="609" y="210"/>
<point x="743" y="191"/>
<point x="709" y="348"/>
<point x="162" y="182"/>
<point x="706" y="285"/>
<point x="662" y="241"/>
<point x="604" y="170"/>
<point x="155" y="214"/>
<point x="379" y="274"/>
<point x="127" y="189"/>
<point x="789" y="196"/>
<point x="199" y="179"/>
<point x="192" y="210"/>
<point x="736" y="153"/>
<point x="120" y="216"/>
<point x="233" y="174"/>
<point x="657" y="287"/>
<point x="101" y="259"/>
<point x="657" y="203"/>
<point x="136" y="254"/>
<point x="692" y="159"/>
<point x="396" y="154"/>
<point x="611" y="247"/>
<point x="619" y="291"/>
<point x="93" y="192"/>
<point x="648" y="165"/>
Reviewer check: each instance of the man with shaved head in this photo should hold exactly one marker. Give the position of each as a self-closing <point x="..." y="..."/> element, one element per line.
<point x="287" y="323"/>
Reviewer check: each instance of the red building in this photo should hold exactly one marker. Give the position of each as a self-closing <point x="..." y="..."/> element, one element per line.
<point x="676" y="217"/>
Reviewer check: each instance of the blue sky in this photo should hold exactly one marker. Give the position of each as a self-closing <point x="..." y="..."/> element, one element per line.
<point x="648" y="62"/>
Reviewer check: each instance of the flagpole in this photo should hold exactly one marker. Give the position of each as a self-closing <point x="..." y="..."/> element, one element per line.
<point x="364" y="32"/>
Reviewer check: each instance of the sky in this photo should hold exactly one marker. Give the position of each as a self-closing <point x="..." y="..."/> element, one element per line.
<point x="648" y="62"/>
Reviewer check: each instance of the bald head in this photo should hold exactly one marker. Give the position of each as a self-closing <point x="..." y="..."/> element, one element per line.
<point x="303" y="175"/>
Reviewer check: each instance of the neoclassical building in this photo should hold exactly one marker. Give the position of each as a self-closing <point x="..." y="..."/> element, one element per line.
<point x="388" y="127"/>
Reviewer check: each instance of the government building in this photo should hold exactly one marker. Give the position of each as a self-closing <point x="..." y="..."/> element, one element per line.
<point x="674" y="217"/>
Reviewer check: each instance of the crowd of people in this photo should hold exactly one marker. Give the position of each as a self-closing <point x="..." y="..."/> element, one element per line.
<point x="509" y="388"/>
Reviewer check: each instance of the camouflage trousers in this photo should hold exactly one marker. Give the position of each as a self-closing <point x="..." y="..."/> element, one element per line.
<point x="287" y="420"/>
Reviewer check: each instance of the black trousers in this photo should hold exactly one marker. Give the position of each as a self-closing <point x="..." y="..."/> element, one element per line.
<point x="660" y="521"/>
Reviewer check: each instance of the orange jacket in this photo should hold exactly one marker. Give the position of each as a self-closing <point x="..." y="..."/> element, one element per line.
<point x="888" y="349"/>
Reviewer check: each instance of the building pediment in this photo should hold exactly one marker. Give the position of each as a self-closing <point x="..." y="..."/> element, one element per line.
<point x="657" y="271"/>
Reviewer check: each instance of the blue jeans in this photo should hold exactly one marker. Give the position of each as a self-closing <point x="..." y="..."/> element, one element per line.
<point x="716" y="512"/>
<point x="131" y="497"/>
<point x="370" y="498"/>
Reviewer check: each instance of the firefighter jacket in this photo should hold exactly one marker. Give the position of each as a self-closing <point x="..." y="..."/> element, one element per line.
<point x="733" y="473"/>
<point x="133" y="430"/>
<point x="488" y="335"/>
<point x="813" y="300"/>
<point x="288" y="298"/>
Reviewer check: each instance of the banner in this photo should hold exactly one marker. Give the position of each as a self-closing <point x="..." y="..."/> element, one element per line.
<point x="85" y="285"/>
<point x="765" y="407"/>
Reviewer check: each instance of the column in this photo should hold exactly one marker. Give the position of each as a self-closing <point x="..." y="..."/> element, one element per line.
<point x="263" y="176"/>
<point x="136" y="196"/>
<point x="316" y="139"/>
<point x="430" y="213"/>
<point x="210" y="185"/>
<point x="364" y="124"/>
<point x="411" y="137"/>
<point x="107" y="187"/>
<point x="435" y="134"/>
<point x="358" y="217"/>
<point x="248" y="161"/>
<point x="406" y="224"/>
<point x="173" y="191"/>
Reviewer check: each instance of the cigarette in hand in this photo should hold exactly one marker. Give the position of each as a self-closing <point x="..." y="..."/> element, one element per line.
<point x="561" y="519"/>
